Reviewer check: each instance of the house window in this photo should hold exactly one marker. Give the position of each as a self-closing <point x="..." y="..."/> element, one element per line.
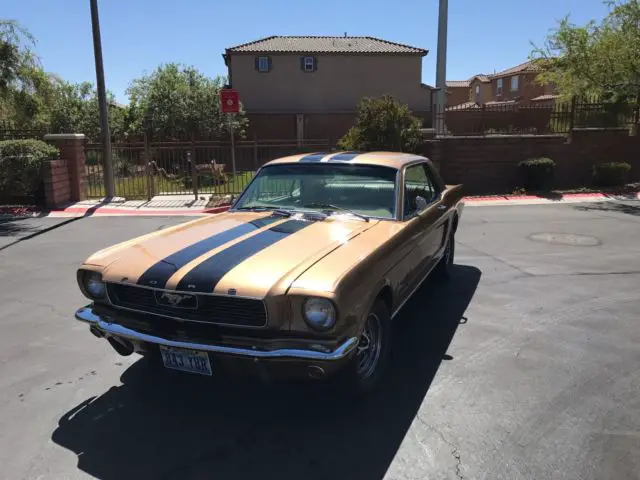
<point x="263" y="64"/>
<point x="477" y="89"/>
<point x="514" y="83"/>
<point x="499" y="87"/>
<point x="309" y="64"/>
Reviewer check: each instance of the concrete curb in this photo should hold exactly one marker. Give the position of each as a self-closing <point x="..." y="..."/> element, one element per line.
<point x="494" y="200"/>
<point x="500" y="200"/>
<point x="107" y="211"/>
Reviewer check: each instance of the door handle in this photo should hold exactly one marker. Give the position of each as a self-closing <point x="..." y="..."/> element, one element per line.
<point x="442" y="207"/>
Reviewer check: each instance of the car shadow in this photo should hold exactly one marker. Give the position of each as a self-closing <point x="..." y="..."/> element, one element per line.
<point x="612" y="207"/>
<point x="181" y="426"/>
<point x="16" y="227"/>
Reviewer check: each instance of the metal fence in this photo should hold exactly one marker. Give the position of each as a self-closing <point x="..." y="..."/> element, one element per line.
<point x="145" y="169"/>
<point x="9" y="131"/>
<point x="552" y="117"/>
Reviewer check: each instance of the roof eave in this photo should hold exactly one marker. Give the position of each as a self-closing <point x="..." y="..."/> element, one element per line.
<point x="423" y="53"/>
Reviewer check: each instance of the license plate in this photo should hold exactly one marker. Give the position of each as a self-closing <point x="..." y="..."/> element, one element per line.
<point x="191" y="361"/>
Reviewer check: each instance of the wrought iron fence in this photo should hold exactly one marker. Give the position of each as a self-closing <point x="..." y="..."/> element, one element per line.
<point x="144" y="170"/>
<point x="9" y="131"/>
<point x="543" y="118"/>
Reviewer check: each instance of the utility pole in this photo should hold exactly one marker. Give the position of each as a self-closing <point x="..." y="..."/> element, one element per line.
<point x="441" y="68"/>
<point x="102" y="101"/>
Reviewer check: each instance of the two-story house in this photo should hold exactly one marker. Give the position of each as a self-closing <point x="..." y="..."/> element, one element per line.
<point x="310" y="87"/>
<point x="476" y="90"/>
<point x="514" y="85"/>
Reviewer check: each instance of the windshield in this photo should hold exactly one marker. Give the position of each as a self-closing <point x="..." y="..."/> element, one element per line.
<point x="363" y="189"/>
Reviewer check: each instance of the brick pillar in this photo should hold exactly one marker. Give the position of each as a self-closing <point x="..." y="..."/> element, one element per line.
<point x="55" y="175"/>
<point x="71" y="146"/>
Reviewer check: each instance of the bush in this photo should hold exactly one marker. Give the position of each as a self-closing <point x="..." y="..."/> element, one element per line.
<point x="21" y="167"/>
<point x="383" y="124"/>
<point x="611" y="174"/>
<point x="537" y="173"/>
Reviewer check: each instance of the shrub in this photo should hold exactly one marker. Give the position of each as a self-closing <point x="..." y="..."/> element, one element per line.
<point x="383" y="124"/>
<point x="21" y="167"/>
<point x="611" y="174"/>
<point x="537" y="173"/>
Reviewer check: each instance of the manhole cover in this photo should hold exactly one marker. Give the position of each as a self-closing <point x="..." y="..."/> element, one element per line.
<point x="565" y="239"/>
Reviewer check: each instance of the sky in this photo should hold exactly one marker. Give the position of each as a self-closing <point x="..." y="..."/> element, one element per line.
<point x="138" y="35"/>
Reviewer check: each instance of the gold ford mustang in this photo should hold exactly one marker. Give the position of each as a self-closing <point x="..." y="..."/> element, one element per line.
<point x="301" y="277"/>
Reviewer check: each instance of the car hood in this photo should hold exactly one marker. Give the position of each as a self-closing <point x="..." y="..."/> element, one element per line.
<point x="240" y="253"/>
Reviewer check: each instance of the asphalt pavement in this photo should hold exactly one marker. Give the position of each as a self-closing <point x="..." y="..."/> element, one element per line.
<point x="523" y="366"/>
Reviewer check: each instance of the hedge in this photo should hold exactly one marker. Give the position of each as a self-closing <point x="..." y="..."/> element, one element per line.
<point x="538" y="173"/>
<point x="21" y="168"/>
<point x="611" y="174"/>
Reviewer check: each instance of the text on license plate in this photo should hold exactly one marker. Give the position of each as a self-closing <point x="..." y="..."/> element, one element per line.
<point x="191" y="361"/>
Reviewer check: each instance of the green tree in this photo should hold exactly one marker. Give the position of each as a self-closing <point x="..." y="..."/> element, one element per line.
<point x="600" y="59"/>
<point x="75" y="109"/>
<point x="177" y="101"/>
<point x="383" y="124"/>
<point x="16" y="56"/>
<point x="25" y="88"/>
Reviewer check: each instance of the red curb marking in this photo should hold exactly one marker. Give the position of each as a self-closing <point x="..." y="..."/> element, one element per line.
<point x="119" y="211"/>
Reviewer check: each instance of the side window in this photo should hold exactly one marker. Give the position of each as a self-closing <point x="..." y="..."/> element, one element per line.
<point x="419" y="190"/>
<point x="262" y="64"/>
<point x="308" y="64"/>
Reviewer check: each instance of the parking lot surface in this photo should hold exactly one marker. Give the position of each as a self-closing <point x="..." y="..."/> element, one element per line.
<point x="524" y="366"/>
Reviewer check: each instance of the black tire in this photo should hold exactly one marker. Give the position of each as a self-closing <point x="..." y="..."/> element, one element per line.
<point x="366" y="369"/>
<point x="444" y="267"/>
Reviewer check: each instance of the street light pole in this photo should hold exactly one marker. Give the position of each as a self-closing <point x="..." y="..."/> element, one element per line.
<point x="102" y="102"/>
<point x="441" y="67"/>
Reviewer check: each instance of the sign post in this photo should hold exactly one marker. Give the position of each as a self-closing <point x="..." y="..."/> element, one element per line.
<point x="230" y="104"/>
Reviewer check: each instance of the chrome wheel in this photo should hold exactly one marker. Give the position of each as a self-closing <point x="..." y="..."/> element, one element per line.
<point x="369" y="347"/>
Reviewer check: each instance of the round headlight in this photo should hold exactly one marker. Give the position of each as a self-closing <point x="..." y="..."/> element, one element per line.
<point x="94" y="285"/>
<point x="319" y="313"/>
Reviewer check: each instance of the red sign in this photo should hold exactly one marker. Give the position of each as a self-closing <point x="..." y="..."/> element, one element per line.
<point x="229" y="102"/>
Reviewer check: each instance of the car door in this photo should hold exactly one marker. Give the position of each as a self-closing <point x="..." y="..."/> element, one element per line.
<point x="425" y="216"/>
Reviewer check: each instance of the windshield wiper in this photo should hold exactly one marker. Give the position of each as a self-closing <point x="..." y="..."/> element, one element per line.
<point x="285" y="211"/>
<point x="335" y="207"/>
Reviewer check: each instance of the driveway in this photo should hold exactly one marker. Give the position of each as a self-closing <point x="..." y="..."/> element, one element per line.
<point x="524" y="366"/>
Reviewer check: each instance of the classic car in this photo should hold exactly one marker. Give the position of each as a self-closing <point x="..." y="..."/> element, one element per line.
<point x="302" y="276"/>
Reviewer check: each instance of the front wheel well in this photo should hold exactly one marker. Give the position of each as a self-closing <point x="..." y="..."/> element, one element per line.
<point x="386" y="295"/>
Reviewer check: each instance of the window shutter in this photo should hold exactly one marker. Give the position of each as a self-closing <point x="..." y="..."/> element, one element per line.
<point x="302" y="63"/>
<point x="315" y="63"/>
<point x="256" y="63"/>
<point x="269" y="63"/>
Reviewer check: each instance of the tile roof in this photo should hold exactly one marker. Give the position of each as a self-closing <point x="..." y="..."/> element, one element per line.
<point x="529" y="66"/>
<point x="482" y="77"/>
<point x="458" y="83"/>
<point x="464" y="106"/>
<point x="501" y="102"/>
<point x="466" y="83"/>
<point x="309" y="44"/>
<point x="542" y="98"/>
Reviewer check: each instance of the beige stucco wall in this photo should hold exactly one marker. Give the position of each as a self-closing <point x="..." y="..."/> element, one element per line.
<point x="485" y="92"/>
<point x="338" y="84"/>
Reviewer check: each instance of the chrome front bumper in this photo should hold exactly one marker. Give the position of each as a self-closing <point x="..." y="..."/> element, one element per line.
<point x="108" y="328"/>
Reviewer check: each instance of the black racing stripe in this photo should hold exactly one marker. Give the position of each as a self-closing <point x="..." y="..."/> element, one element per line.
<point x="159" y="274"/>
<point x="313" y="157"/>
<point x="344" y="157"/>
<point x="205" y="277"/>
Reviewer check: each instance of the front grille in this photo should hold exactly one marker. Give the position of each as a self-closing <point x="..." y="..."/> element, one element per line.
<point x="243" y="312"/>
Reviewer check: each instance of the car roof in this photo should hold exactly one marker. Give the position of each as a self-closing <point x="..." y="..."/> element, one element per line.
<point x="386" y="159"/>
